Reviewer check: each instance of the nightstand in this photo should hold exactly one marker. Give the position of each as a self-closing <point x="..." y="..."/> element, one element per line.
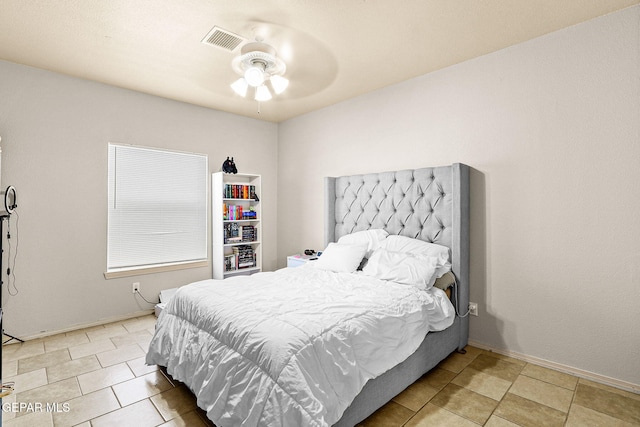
<point x="298" y="260"/>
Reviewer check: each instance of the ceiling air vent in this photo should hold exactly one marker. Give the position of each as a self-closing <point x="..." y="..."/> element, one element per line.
<point x="223" y="39"/>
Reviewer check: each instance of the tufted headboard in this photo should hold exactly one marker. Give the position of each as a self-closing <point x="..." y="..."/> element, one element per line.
<point x="430" y="204"/>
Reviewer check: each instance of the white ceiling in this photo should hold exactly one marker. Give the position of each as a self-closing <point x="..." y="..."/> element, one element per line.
<point x="334" y="49"/>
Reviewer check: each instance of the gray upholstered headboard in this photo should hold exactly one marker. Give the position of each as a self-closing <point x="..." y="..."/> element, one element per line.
<point x="430" y="204"/>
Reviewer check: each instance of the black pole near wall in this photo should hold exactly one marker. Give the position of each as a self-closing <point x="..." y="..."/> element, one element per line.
<point x="11" y="337"/>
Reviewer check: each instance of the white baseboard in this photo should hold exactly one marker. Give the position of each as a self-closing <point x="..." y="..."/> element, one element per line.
<point x="613" y="382"/>
<point x="88" y="325"/>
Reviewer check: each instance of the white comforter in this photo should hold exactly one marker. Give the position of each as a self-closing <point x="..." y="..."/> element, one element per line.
<point x="291" y="347"/>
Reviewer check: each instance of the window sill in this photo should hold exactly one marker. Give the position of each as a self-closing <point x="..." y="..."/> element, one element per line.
<point x="127" y="272"/>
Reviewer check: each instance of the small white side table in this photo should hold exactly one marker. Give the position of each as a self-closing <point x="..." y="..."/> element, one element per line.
<point x="298" y="260"/>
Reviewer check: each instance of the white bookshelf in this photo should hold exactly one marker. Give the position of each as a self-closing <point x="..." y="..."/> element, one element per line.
<point x="221" y="247"/>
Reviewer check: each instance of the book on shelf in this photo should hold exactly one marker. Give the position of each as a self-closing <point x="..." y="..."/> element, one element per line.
<point x="238" y="212"/>
<point x="242" y="256"/>
<point x="236" y="233"/>
<point x="248" y="233"/>
<point x="229" y="262"/>
<point x="249" y="214"/>
<point x="239" y="191"/>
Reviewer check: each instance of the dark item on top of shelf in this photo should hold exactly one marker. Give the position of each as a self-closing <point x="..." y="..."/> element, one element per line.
<point x="229" y="166"/>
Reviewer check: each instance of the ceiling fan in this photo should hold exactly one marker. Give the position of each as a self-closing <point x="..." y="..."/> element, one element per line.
<point x="260" y="69"/>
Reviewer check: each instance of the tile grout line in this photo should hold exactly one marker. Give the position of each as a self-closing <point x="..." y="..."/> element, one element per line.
<point x="502" y="398"/>
<point x="573" y="398"/>
<point x="530" y="374"/>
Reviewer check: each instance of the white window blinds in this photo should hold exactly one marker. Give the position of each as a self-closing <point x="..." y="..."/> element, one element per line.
<point x="157" y="207"/>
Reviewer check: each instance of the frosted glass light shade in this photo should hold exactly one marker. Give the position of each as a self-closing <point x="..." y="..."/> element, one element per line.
<point x="240" y="87"/>
<point x="262" y="93"/>
<point x="254" y="76"/>
<point x="279" y="84"/>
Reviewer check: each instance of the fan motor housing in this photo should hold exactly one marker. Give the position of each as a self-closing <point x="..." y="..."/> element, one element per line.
<point x="258" y="53"/>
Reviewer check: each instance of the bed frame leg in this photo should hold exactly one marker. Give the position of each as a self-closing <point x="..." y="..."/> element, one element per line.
<point x="462" y="351"/>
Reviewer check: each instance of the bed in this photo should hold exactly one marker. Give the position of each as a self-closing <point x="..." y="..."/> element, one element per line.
<point x="256" y="352"/>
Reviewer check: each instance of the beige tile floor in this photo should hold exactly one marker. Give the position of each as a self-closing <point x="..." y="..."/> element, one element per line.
<point x="97" y="376"/>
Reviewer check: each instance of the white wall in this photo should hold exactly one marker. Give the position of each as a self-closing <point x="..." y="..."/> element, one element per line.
<point x="55" y="130"/>
<point x="551" y="129"/>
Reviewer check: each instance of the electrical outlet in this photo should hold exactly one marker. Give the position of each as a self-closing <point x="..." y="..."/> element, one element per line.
<point x="473" y="308"/>
<point x="135" y="287"/>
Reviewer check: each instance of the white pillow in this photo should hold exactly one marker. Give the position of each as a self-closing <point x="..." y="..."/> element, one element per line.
<point x="371" y="238"/>
<point x="418" y="271"/>
<point x="415" y="247"/>
<point x="341" y="257"/>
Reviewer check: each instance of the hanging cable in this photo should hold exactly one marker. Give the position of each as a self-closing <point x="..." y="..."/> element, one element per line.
<point x="145" y="300"/>
<point x="457" y="307"/>
<point x="11" y="269"/>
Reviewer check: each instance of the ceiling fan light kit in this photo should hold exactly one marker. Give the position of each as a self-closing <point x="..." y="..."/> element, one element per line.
<point x="262" y="93"/>
<point x="279" y="84"/>
<point x="254" y="75"/>
<point x="258" y="65"/>
<point x="240" y="87"/>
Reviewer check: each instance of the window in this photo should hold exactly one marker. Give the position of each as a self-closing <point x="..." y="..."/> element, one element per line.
<point x="157" y="208"/>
